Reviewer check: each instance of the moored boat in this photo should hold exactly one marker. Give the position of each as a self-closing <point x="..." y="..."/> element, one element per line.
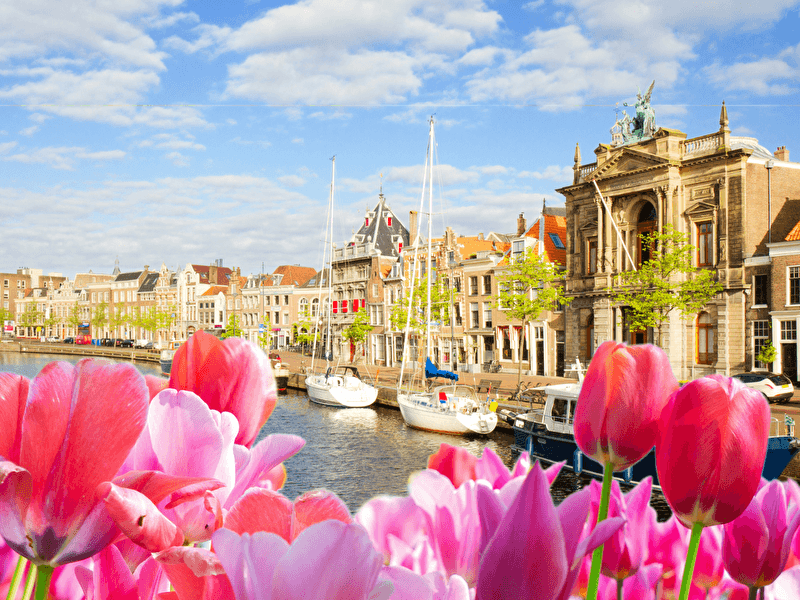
<point x="165" y="361"/>
<point x="547" y="434"/>
<point x="341" y="388"/>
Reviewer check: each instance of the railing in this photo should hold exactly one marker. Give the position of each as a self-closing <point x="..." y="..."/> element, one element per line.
<point x="781" y="427"/>
<point x="585" y="171"/>
<point x="705" y="144"/>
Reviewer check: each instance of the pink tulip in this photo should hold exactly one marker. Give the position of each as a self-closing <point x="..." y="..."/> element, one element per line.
<point x="756" y="543"/>
<point x="190" y="442"/>
<point x="398" y="529"/>
<point x="459" y="465"/>
<point x="625" y="551"/>
<point x="639" y="586"/>
<point x="195" y="574"/>
<point x="536" y="550"/>
<point x="79" y="424"/>
<point x="618" y="414"/>
<point x="328" y="561"/>
<point x="111" y="578"/>
<point x="784" y="587"/>
<point x="708" y="567"/>
<point x="230" y="376"/>
<point x="667" y="546"/>
<point x="712" y="448"/>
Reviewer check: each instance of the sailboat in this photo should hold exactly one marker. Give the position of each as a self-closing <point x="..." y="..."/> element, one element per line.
<point x="340" y="387"/>
<point x="445" y="407"/>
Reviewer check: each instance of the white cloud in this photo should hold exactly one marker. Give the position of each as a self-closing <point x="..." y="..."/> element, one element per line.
<point x="29" y="130"/>
<point x="6" y="146"/>
<point x="241" y="142"/>
<point x="298" y="140"/>
<point x="766" y="76"/>
<point x="292" y="181"/>
<point x="491" y="170"/>
<point x="178" y="159"/>
<point x="447" y="174"/>
<point x="553" y="172"/>
<point x="330" y="115"/>
<point x="62" y="157"/>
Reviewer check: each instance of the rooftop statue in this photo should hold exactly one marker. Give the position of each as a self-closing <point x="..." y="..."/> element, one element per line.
<point x="627" y="130"/>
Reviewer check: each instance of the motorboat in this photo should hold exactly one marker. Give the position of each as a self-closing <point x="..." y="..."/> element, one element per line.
<point x="340" y="387"/>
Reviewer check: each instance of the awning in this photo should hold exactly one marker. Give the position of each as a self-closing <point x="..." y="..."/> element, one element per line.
<point x="432" y="371"/>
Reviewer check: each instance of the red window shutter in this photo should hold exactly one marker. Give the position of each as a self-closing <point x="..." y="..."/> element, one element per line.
<point x="335" y="306"/>
<point x="400" y="246"/>
<point x="389" y="221"/>
<point x="344" y="306"/>
<point x="366" y="222"/>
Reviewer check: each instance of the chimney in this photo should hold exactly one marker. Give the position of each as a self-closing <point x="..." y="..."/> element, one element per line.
<point x="480" y="236"/>
<point x="782" y="154"/>
<point x="521" y="224"/>
<point x="212" y="274"/>
<point x="412" y="226"/>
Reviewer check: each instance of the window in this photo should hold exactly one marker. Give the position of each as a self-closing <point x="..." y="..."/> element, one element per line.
<point x="705" y="240"/>
<point x="5" y="283"/>
<point x="473" y="286"/>
<point x="315" y="307"/>
<point x="277" y="300"/>
<point x="487" y="315"/>
<point x="591" y="266"/>
<point x="458" y="314"/>
<point x="286" y="300"/>
<point x="389" y="220"/>
<point x="760" y="337"/>
<point x="556" y="241"/>
<point x="276" y="318"/>
<point x="794" y="285"/>
<point x="487" y="285"/>
<point x="517" y="249"/>
<point x="473" y="308"/>
<point x="705" y="339"/>
<point x="760" y="290"/>
<point x="788" y="331"/>
<point x="266" y="300"/>
<point x="285" y="318"/>
<point x="457" y="284"/>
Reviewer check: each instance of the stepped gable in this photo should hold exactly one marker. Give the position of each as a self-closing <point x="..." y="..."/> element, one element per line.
<point x="382" y="228"/>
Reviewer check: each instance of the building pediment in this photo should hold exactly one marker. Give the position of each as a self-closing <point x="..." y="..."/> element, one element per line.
<point x="589" y="227"/>
<point x="702" y="208"/>
<point x="625" y="161"/>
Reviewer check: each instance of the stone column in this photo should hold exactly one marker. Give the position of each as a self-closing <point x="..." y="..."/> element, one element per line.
<point x="600" y="240"/>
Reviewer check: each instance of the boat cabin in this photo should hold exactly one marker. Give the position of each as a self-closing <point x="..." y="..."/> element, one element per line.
<point x="559" y="407"/>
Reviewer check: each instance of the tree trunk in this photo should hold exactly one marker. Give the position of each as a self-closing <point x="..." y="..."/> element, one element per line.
<point x="519" y="366"/>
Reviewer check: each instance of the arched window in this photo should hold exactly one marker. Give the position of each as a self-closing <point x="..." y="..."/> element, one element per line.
<point x="315" y="307"/>
<point x="303" y="307"/>
<point x="647" y="222"/>
<point x="705" y="342"/>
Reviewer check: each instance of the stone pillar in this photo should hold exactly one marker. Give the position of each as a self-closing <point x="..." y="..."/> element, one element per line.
<point x="600" y="240"/>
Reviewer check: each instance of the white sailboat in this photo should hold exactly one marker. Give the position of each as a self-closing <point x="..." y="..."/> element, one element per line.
<point x="339" y="387"/>
<point x="447" y="408"/>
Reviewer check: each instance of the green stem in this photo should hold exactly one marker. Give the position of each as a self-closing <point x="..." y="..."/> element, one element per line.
<point x="22" y="562"/>
<point x="597" y="555"/>
<point x="691" y="556"/>
<point x="45" y="573"/>
<point x="26" y="595"/>
<point x="619" y="589"/>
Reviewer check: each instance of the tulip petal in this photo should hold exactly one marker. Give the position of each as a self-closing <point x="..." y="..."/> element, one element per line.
<point x="13" y="399"/>
<point x="490" y="511"/>
<point x="316" y="506"/>
<point x="526" y="557"/>
<point x="341" y="556"/>
<point x="157" y="486"/>
<point x="139" y="519"/>
<point x="253" y="464"/>
<point x="457" y="464"/>
<point x="15" y="495"/>
<point x="196" y="574"/>
<point x="261" y="510"/>
<point x="111" y="577"/>
<point x="250" y="561"/>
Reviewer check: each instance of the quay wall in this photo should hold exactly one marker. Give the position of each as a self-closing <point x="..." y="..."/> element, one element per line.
<point x="32" y="347"/>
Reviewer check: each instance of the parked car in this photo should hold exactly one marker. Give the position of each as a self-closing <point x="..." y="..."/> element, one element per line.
<point x="69" y="340"/>
<point x="53" y="338"/>
<point x="140" y="344"/>
<point x="148" y="346"/>
<point x="106" y="342"/>
<point x="83" y="339"/>
<point x="775" y="386"/>
<point x="125" y="343"/>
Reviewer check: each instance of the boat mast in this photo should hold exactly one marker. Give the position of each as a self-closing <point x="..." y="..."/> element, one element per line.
<point x="329" y="342"/>
<point x="430" y="232"/>
<point x="327" y="312"/>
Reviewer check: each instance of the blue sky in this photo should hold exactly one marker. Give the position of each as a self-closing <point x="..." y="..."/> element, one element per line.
<point x="177" y="131"/>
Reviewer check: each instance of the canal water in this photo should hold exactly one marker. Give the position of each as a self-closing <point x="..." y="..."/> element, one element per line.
<point x="357" y="453"/>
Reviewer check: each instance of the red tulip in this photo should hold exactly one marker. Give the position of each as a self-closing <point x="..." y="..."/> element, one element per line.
<point x="620" y="403"/>
<point x="232" y="376"/>
<point x="712" y="448"/>
<point x="79" y="423"/>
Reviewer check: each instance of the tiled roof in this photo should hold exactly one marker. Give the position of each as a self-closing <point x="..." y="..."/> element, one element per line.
<point x="128" y="276"/>
<point x="553" y="224"/>
<point x="214" y="290"/>
<point x="292" y="275"/>
<point x="376" y="229"/>
<point x="149" y="283"/>
<point x="794" y="234"/>
<point x="468" y="246"/>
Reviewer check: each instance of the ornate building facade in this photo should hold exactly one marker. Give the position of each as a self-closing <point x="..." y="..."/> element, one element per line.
<point x="729" y="194"/>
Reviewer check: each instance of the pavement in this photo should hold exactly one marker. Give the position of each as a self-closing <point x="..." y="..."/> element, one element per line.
<point x="387" y="377"/>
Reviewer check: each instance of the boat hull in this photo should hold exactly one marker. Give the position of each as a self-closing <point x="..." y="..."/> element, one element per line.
<point x="340" y="392"/>
<point x="553" y="447"/>
<point x="420" y="412"/>
<point x="281" y="378"/>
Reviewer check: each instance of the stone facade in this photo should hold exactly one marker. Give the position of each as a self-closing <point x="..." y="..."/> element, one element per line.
<point x="728" y="193"/>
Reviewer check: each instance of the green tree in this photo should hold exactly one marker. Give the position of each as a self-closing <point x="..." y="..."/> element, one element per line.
<point x="30" y="316"/>
<point x="116" y="319"/>
<point x="356" y="333"/>
<point x="767" y="353"/>
<point x="6" y="315"/>
<point x="233" y="328"/>
<point x="166" y="318"/>
<point x="265" y="337"/>
<point x="666" y="282"/>
<point x="74" y="318"/>
<point x="50" y="322"/>
<point x="527" y="287"/>
<point x="441" y="300"/>
<point x="99" y="319"/>
<point x="303" y="329"/>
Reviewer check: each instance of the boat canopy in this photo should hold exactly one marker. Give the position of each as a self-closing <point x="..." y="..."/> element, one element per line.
<point x="432" y="371"/>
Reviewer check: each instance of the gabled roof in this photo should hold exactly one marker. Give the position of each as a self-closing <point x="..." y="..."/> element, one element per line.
<point x="314" y="282"/>
<point x="467" y="246"/>
<point x="223" y="273"/>
<point x="149" y="283"/>
<point x="794" y="234"/>
<point x="131" y="276"/>
<point x="376" y="229"/>
<point x="557" y="226"/>
<point x="214" y="290"/>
